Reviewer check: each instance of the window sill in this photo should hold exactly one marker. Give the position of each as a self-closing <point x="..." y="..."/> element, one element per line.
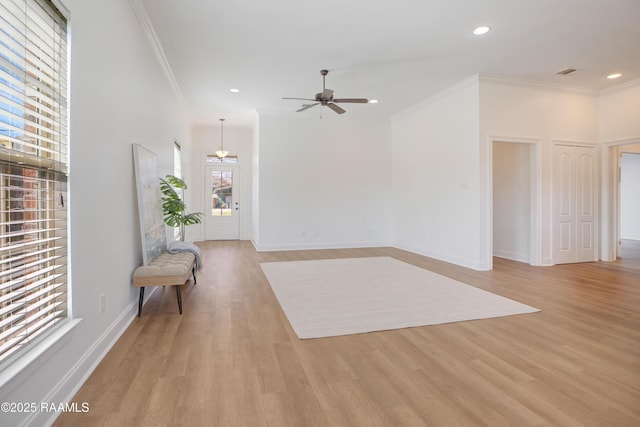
<point x="22" y="367"/>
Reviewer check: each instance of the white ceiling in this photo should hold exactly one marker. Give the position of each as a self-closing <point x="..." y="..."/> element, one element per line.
<point x="400" y="52"/>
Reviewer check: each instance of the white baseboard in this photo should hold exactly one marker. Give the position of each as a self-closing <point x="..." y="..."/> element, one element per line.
<point x="69" y="385"/>
<point x="345" y="245"/>
<point x="463" y="262"/>
<point x="311" y="246"/>
<point x="511" y="255"/>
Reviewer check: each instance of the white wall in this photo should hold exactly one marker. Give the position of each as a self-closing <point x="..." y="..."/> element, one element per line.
<point x="619" y="109"/>
<point x="512" y="201"/>
<point x="630" y="196"/>
<point x="255" y="181"/>
<point x="436" y="177"/>
<point x="119" y="95"/>
<point x="206" y="140"/>
<point x="442" y="162"/>
<point x="513" y="109"/>
<point x="322" y="182"/>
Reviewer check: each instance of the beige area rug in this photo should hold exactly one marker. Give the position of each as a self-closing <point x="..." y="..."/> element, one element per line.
<point x="333" y="297"/>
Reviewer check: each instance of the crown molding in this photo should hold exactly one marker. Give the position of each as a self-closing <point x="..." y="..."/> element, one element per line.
<point x="621" y="86"/>
<point x="515" y="81"/>
<point x="156" y="46"/>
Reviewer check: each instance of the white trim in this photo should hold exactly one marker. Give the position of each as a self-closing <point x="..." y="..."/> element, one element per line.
<point x="357" y="245"/>
<point x="68" y="386"/>
<point x="515" y="81"/>
<point x="621" y="86"/>
<point x="156" y="46"/>
<point x="312" y="246"/>
<point x="511" y="255"/>
<point x="621" y="142"/>
<point x="571" y="143"/>
<point x="609" y="222"/>
<point x="535" y="236"/>
<point x="22" y="367"/>
<point x="463" y="262"/>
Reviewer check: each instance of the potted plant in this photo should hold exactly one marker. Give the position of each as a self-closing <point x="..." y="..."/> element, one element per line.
<point x="173" y="206"/>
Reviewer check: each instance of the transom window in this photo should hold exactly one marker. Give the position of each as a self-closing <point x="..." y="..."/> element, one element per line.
<point x="228" y="160"/>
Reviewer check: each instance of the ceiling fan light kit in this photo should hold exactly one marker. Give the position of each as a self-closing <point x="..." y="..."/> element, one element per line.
<point x="326" y="99"/>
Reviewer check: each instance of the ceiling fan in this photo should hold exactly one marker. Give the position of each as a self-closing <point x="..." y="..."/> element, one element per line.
<point x="325" y="98"/>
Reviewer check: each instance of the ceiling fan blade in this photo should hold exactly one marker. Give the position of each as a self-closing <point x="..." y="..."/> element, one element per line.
<point x="353" y="100"/>
<point x="301" y="99"/>
<point x="335" y="108"/>
<point x="306" y="107"/>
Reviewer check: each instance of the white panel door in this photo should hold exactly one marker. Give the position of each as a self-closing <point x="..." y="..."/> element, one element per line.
<point x="574" y="204"/>
<point x="222" y="212"/>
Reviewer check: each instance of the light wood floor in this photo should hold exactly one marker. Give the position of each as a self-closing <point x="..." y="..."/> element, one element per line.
<point x="232" y="359"/>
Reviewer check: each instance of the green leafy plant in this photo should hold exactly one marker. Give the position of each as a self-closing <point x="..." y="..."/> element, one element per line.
<point x="173" y="207"/>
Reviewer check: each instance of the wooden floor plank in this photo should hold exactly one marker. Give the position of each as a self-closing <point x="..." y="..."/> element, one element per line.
<point x="233" y="359"/>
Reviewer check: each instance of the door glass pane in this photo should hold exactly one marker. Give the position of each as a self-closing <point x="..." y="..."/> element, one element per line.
<point x="221" y="193"/>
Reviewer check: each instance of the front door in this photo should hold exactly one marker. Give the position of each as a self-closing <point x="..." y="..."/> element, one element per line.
<point x="222" y="212"/>
<point x="574" y="204"/>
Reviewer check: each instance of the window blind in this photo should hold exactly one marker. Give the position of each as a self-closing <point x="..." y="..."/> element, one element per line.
<point x="33" y="172"/>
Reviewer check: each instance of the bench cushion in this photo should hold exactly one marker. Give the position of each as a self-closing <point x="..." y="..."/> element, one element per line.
<point x="165" y="269"/>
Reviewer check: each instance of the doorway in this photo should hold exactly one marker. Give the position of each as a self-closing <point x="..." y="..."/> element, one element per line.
<point x="222" y="210"/>
<point x="515" y="199"/>
<point x="611" y="210"/>
<point x="511" y="201"/>
<point x="628" y="200"/>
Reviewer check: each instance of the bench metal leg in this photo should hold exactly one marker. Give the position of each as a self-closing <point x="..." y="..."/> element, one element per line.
<point x="140" y="300"/>
<point x="193" y="271"/>
<point x="179" y="298"/>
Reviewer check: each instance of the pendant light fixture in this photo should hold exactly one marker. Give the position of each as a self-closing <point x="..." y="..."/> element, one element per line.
<point x="222" y="153"/>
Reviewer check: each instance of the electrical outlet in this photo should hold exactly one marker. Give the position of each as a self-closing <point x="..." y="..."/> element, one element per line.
<point x="103" y="303"/>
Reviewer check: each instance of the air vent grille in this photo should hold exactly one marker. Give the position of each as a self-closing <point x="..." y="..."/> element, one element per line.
<point x="567" y="71"/>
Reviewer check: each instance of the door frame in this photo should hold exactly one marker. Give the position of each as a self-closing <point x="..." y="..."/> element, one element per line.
<point x="535" y="181"/>
<point x="236" y="196"/>
<point x="610" y="221"/>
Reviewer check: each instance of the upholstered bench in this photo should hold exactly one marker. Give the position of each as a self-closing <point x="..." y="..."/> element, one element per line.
<point x="167" y="269"/>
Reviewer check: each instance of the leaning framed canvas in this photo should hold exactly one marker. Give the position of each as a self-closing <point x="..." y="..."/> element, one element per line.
<point x="152" y="229"/>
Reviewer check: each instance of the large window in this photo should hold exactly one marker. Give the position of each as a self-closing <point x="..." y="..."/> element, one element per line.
<point x="177" y="159"/>
<point x="177" y="172"/>
<point x="33" y="172"/>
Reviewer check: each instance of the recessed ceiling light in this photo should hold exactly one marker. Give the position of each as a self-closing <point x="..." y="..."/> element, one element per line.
<point x="234" y="90"/>
<point x="481" y="30"/>
<point x="373" y="101"/>
<point x="614" y="76"/>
